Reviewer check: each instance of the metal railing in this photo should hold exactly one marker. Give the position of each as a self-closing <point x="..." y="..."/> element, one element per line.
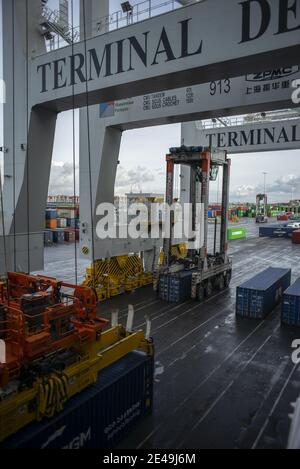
<point x="271" y="116"/>
<point x="141" y="11"/>
<point x="61" y="33"/>
<point x="224" y="122"/>
<point x="64" y="34"/>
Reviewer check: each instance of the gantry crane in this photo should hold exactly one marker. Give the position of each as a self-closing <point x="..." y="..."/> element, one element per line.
<point x="261" y="208"/>
<point x="205" y="272"/>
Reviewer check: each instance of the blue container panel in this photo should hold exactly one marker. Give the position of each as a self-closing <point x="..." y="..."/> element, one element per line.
<point x="242" y="301"/>
<point x="290" y="313"/>
<point x="51" y="214"/>
<point x="164" y="287"/>
<point x="101" y="415"/>
<point x="260" y="304"/>
<point x="180" y="287"/>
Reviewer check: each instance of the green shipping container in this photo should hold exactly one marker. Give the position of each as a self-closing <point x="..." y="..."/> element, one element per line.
<point x="236" y="233"/>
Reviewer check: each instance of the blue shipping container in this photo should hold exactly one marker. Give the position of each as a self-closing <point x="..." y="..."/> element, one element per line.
<point x="51" y="214"/>
<point x="58" y="236"/>
<point x="290" y="312"/>
<point x="101" y="415"/>
<point x="261" y="294"/>
<point x="275" y="231"/>
<point x="71" y="222"/>
<point x="175" y="287"/>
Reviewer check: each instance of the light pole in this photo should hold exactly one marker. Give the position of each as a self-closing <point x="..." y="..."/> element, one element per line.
<point x="292" y="193"/>
<point x="265" y="195"/>
<point x="265" y="181"/>
<point x="292" y="196"/>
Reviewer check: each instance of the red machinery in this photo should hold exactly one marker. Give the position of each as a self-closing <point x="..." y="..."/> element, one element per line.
<point x="37" y="318"/>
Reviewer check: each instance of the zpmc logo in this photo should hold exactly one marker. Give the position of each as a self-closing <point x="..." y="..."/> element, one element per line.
<point x="270" y="75"/>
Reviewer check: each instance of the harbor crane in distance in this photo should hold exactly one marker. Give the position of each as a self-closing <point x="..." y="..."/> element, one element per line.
<point x="261" y="208"/>
<point x="200" y="274"/>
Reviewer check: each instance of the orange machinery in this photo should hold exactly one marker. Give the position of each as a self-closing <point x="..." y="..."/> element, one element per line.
<point x="37" y="319"/>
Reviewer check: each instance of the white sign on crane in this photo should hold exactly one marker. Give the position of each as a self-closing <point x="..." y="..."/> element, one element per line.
<point x="253" y="137"/>
<point x="268" y="90"/>
<point x="204" y="41"/>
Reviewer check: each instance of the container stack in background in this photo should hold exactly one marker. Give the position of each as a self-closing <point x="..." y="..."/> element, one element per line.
<point x="62" y="220"/>
<point x="51" y="219"/>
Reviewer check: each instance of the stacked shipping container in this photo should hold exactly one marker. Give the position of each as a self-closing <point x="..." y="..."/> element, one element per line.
<point x="62" y="224"/>
<point x="176" y="287"/>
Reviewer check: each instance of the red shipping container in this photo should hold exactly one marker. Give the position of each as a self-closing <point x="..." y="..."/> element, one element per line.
<point x="70" y="236"/>
<point x="296" y="237"/>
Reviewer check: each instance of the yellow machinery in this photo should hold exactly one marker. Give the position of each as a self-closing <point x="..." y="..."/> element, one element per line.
<point x="113" y="276"/>
<point x="178" y="250"/>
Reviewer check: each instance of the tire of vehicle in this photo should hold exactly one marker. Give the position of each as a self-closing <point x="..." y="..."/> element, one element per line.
<point x="209" y="289"/>
<point x="227" y="279"/>
<point x="221" y="282"/>
<point x="200" y="293"/>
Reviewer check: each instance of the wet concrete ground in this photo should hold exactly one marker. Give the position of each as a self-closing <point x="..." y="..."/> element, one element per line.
<point x="219" y="382"/>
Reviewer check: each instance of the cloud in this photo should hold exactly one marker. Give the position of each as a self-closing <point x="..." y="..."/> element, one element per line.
<point x="62" y="178"/>
<point x="244" y="191"/>
<point x="285" y="185"/>
<point x="143" y="179"/>
<point x="282" y="186"/>
<point x="138" y="178"/>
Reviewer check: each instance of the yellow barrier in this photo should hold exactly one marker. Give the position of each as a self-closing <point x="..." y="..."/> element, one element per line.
<point x="111" y="277"/>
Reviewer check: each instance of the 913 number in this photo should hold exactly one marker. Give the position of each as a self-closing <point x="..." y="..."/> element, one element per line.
<point x="220" y="87"/>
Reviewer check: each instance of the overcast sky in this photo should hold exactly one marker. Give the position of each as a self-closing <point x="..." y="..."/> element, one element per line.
<point x="142" y="161"/>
